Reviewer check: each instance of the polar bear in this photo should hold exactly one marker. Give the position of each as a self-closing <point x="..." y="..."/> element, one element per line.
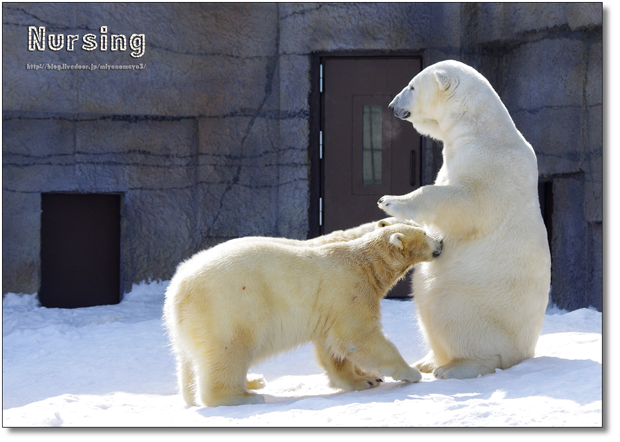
<point x="238" y="303"/>
<point x="482" y="306"/>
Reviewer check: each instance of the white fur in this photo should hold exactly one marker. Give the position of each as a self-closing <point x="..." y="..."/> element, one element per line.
<point x="336" y="236"/>
<point x="245" y="300"/>
<point x="481" y="306"/>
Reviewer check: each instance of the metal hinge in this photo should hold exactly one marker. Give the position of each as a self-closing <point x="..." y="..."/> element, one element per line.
<point x="321" y="78"/>
<point x="320" y="145"/>
<point x="320" y="211"/>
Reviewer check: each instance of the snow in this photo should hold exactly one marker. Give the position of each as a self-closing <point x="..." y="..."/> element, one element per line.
<point x="111" y="366"/>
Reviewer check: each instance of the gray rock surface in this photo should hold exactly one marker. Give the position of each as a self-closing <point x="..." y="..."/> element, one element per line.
<point x="209" y="140"/>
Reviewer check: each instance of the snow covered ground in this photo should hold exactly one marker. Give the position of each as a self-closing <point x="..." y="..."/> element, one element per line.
<point x="110" y="366"/>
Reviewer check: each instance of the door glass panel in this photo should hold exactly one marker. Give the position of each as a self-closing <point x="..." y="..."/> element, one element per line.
<point x="371" y="144"/>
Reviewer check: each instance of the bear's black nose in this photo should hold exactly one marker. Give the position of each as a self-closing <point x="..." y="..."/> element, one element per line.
<point x="438" y="250"/>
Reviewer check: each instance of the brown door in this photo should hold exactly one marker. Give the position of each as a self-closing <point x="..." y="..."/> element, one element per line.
<point x="367" y="152"/>
<point x="80" y="250"/>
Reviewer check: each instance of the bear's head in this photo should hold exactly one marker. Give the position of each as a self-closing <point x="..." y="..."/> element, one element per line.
<point x="409" y="243"/>
<point x="441" y="95"/>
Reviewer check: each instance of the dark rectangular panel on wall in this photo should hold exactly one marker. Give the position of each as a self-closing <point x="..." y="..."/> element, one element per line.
<point x="80" y="250"/>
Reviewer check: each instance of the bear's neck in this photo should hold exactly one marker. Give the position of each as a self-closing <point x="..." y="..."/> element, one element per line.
<point x="384" y="278"/>
<point x="380" y="271"/>
<point x="474" y="119"/>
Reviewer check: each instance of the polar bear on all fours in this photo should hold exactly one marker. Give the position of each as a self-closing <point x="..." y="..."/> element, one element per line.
<point x="482" y="306"/>
<point x="248" y="299"/>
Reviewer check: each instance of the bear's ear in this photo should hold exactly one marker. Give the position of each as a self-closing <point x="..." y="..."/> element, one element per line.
<point x="444" y="81"/>
<point x="395" y="239"/>
<point x="383" y="223"/>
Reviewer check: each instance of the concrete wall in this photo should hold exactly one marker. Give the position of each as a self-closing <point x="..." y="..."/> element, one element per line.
<point x="211" y="139"/>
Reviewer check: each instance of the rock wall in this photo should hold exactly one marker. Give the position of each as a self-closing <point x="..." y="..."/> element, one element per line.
<point x="210" y="138"/>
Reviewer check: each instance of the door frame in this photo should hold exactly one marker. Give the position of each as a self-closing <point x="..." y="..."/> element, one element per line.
<point x="317" y="123"/>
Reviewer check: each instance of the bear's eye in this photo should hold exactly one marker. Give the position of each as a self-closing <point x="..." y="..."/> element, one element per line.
<point x="411" y="87"/>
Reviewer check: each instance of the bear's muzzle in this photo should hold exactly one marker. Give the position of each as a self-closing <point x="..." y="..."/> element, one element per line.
<point x="399" y="112"/>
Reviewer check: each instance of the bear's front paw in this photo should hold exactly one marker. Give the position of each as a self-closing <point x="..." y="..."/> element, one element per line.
<point x="407" y="374"/>
<point x="391" y="205"/>
<point x="369" y="382"/>
<point x="384" y="201"/>
<point x="427" y="364"/>
<point x="356" y="382"/>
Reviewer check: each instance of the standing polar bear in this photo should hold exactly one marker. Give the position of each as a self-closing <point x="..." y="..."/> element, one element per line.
<point x="242" y="301"/>
<point x="482" y="306"/>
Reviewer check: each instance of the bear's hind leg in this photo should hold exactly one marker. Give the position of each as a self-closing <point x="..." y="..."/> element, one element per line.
<point x="342" y="373"/>
<point x="222" y="379"/>
<point x="468" y="368"/>
<point x="186" y="379"/>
